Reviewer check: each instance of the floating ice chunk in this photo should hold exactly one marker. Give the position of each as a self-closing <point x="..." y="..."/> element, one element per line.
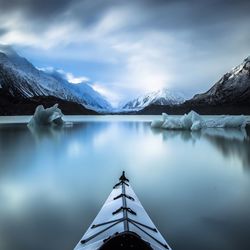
<point x="164" y="116"/>
<point x="47" y="117"/>
<point x="156" y="124"/>
<point x="172" y="123"/>
<point x="159" y="123"/>
<point x="193" y="121"/>
<point x="190" y="121"/>
<point x="197" y="125"/>
<point x="227" y="122"/>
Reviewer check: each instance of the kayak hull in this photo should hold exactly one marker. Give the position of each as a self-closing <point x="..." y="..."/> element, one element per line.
<point x="122" y="217"/>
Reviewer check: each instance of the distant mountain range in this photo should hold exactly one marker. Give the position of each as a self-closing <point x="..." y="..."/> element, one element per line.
<point x="23" y="87"/>
<point x="160" y="97"/>
<point x="21" y="81"/>
<point x="230" y="95"/>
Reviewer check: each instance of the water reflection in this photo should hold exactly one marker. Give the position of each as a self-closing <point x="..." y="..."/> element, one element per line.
<point x="54" y="181"/>
<point x="232" y="143"/>
<point x="42" y="132"/>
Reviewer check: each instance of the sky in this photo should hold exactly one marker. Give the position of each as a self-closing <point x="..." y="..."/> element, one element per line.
<point x="128" y="48"/>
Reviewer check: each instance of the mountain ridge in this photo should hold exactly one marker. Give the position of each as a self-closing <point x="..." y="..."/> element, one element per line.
<point x="159" y="97"/>
<point x="21" y="82"/>
<point x="21" y="79"/>
<point x="229" y="95"/>
<point x="10" y="105"/>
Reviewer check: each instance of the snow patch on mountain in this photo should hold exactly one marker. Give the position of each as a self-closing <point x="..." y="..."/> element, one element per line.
<point x="81" y="88"/>
<point x="20" y="78"/>
<point x="234" y="86"/>
<point x="160" y="97"/>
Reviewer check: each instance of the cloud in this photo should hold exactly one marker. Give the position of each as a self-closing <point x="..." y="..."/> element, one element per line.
<point x="76" y="80"/>
<point x="132" y="47"/>
<point x="66" y="75"/>
<point x="110" y="93"/>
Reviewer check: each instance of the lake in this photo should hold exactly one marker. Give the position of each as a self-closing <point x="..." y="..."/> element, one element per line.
<point x="195" y="186"/>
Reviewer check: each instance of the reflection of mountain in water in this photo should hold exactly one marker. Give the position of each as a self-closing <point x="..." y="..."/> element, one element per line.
<point x="21" y="144"/>
<point x="230" y="142"/>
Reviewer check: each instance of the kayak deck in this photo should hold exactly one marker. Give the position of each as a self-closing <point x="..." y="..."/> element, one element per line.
<point x="122" y="221"/>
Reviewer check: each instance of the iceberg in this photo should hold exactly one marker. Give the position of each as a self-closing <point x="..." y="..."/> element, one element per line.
<point x="193" y="121"/>
<point x="47" y="117"/>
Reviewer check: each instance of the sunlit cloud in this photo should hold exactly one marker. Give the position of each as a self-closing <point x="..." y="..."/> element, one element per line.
<point x="75" y="80"/>
<point x="66" y="75"/>
<point x="109" y="93"/>
<point x="146" y="64"/>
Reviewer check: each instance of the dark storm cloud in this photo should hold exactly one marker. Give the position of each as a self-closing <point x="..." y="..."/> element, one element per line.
<point x="197" y="12"/>
<point x="145" y="14"/>
<point x="3" y="31"/>
<point x="202" y="21"/>
<point x="52" y="9"/>
<point x="35" y="7"/>
<point x="139" y="42"/>
<point x="203" y="17"/>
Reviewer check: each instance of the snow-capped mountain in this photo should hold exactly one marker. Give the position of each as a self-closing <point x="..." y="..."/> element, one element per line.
<point x="20" y="78"/>
<point x="91" y="97"/>
<point x="160" y="97"/>
<point x="233" y="87"/>
<point x="230" y="95"/>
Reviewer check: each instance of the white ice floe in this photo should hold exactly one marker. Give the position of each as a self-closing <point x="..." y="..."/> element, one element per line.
<point x="47" y="117"/>
<point x="193" y="121"/>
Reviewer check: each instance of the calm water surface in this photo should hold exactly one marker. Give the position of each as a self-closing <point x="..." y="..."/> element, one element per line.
<point x="194" y="185"/>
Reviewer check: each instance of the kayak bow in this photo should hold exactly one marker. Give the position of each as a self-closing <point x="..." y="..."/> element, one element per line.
<point x="122" y="223"/>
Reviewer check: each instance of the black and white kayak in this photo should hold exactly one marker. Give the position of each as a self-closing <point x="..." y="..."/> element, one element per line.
<point x="122" y="223"/>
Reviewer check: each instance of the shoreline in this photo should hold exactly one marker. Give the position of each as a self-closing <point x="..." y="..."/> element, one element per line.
<point x="23" y="119"/>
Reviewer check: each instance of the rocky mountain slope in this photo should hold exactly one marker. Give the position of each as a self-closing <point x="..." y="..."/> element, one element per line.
<point x="233" y="87"/>
<point x="230" y="95"/>
<point x="20" y="79"/>
<point x="10" y="105"/>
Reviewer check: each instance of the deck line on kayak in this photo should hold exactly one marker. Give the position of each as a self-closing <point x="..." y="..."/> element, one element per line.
<point x="122" y="215"/>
